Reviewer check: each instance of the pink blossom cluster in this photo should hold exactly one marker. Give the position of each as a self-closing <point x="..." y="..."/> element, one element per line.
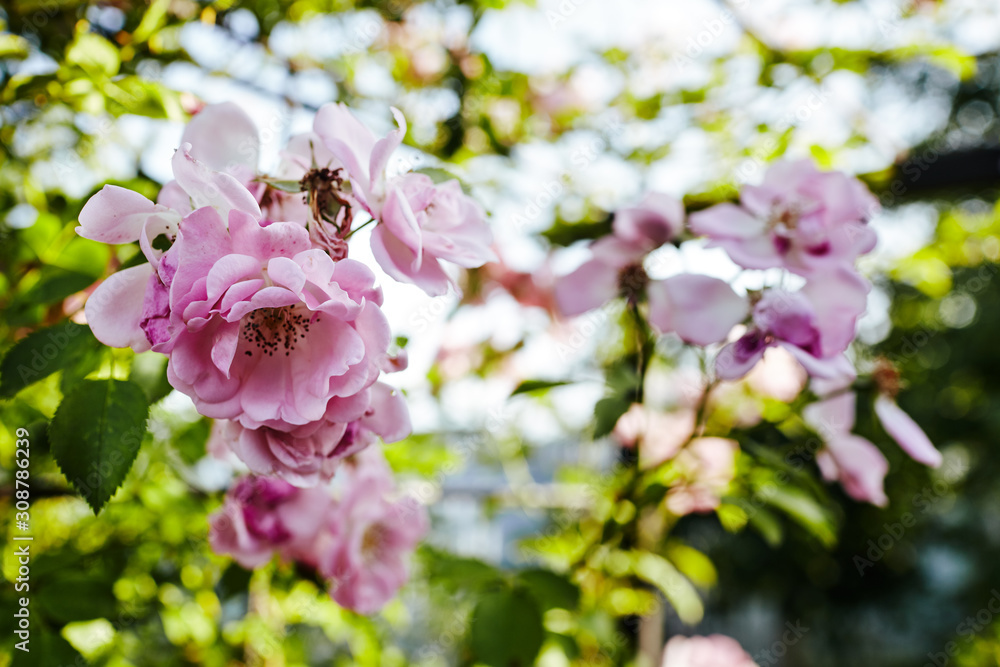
<point x="358" y="539"/>
<point x="247" y="287"/>
<point x="802" y="221"/>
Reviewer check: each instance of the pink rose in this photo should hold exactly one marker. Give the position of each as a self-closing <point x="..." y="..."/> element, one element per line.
<point x="310" y="454"/>
<point x="371" y="537"/>
<point x="270" y="330"/>
<point x="421" y="223"/>
<point x="263" y="516"/>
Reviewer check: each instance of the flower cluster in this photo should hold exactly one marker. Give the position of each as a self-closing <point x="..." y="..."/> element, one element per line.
<point x="356" y="539"/>
<point x="804" y="222"/>
<point x="269" y="327"/>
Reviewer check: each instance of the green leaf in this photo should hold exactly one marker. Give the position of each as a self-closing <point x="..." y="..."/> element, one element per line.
<point x="42" y="353"/>
<point x="14" y="46"/>
<point x="154" y="19"/>
<point x="507" y="629"/>
<point x="96" y="434"/>
<point x="692" y="563"/>
<point x="455" y="573"/>
<point x="678" y="590"/>
<point x="76" y="597"/>
<point x="47" y="648"/>
<point x="293" y="187"/>
<point x="804" y="509"/>
<point x="531" y="386"/>
<point x="93" y="54"/>
<point x="553" y="591"/>
<point x="149" y="371"/>
<point x="190" y="442"/>
<point x="607" y="413"/>
<point x="768" y="525"/>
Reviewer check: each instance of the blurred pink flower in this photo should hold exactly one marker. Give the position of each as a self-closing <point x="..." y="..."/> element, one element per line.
<point x="707" y="466"/>
<point x="799" y="218"/>
<point x="263" y="516"/>
<point x="854" y="461"/>
<point x="711" y="651"/>
<point x="700" y="309"/>
<point x="310" y="454"/>
<point x="659" y="435"/>
<point x="816" y="325"/>
<point x="371" y="537"/>
<point x="599" y="279"/>
<point x="616" y="265"/>
<point x="657" y="219"/>
<point x="778" y="376"/>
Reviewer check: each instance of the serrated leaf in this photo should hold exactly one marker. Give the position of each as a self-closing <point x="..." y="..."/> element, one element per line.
<point x="530" y="386"/>
<point x="42" y="353"/>
<point x="96" y="434"/>
<point x="507" y="629"/>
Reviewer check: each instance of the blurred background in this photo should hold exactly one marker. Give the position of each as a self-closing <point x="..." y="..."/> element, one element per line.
<point x="554" y="113"/>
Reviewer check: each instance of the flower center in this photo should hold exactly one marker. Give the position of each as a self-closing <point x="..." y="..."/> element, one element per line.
<point x="271" y="330"/>
<point x="784" y="217"/>
<point x="886" y="377"/>
<point x="632" y="280"/>
<point x="372" y="541"/>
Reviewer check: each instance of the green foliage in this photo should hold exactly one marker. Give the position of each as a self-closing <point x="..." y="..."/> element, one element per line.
<point x="506" y="629"/>
<point x="42" y="353"/>
<point x="96" y="434"/>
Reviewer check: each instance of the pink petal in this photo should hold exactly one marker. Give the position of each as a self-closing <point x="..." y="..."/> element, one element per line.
<point x="658" y="219"/>
<point x="172" y="196"/>
<point x="590" y="286"/>
<point x="700" y="309"/>
<point x="906" y="432"/>
<point x="286" y="239"/>
<point x="735" y="359"/>
<point x="838" y="297"/>
<point x="401" y="222"/>
<point x="347" y="139"/>
<point x="224" y="138"/>
<point x="398" y="260"/>
<point x="831" y="416"/>
<point x="726" y="221"/>
<point x="116" y="215"/>
<point x="114" y="310"/>
<point x="385" y="146"/>
<point x="861" y="468"/>
<point x="390" y="418"/>
<point x="285" y="272"/>
<point x="212" y="188"/>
